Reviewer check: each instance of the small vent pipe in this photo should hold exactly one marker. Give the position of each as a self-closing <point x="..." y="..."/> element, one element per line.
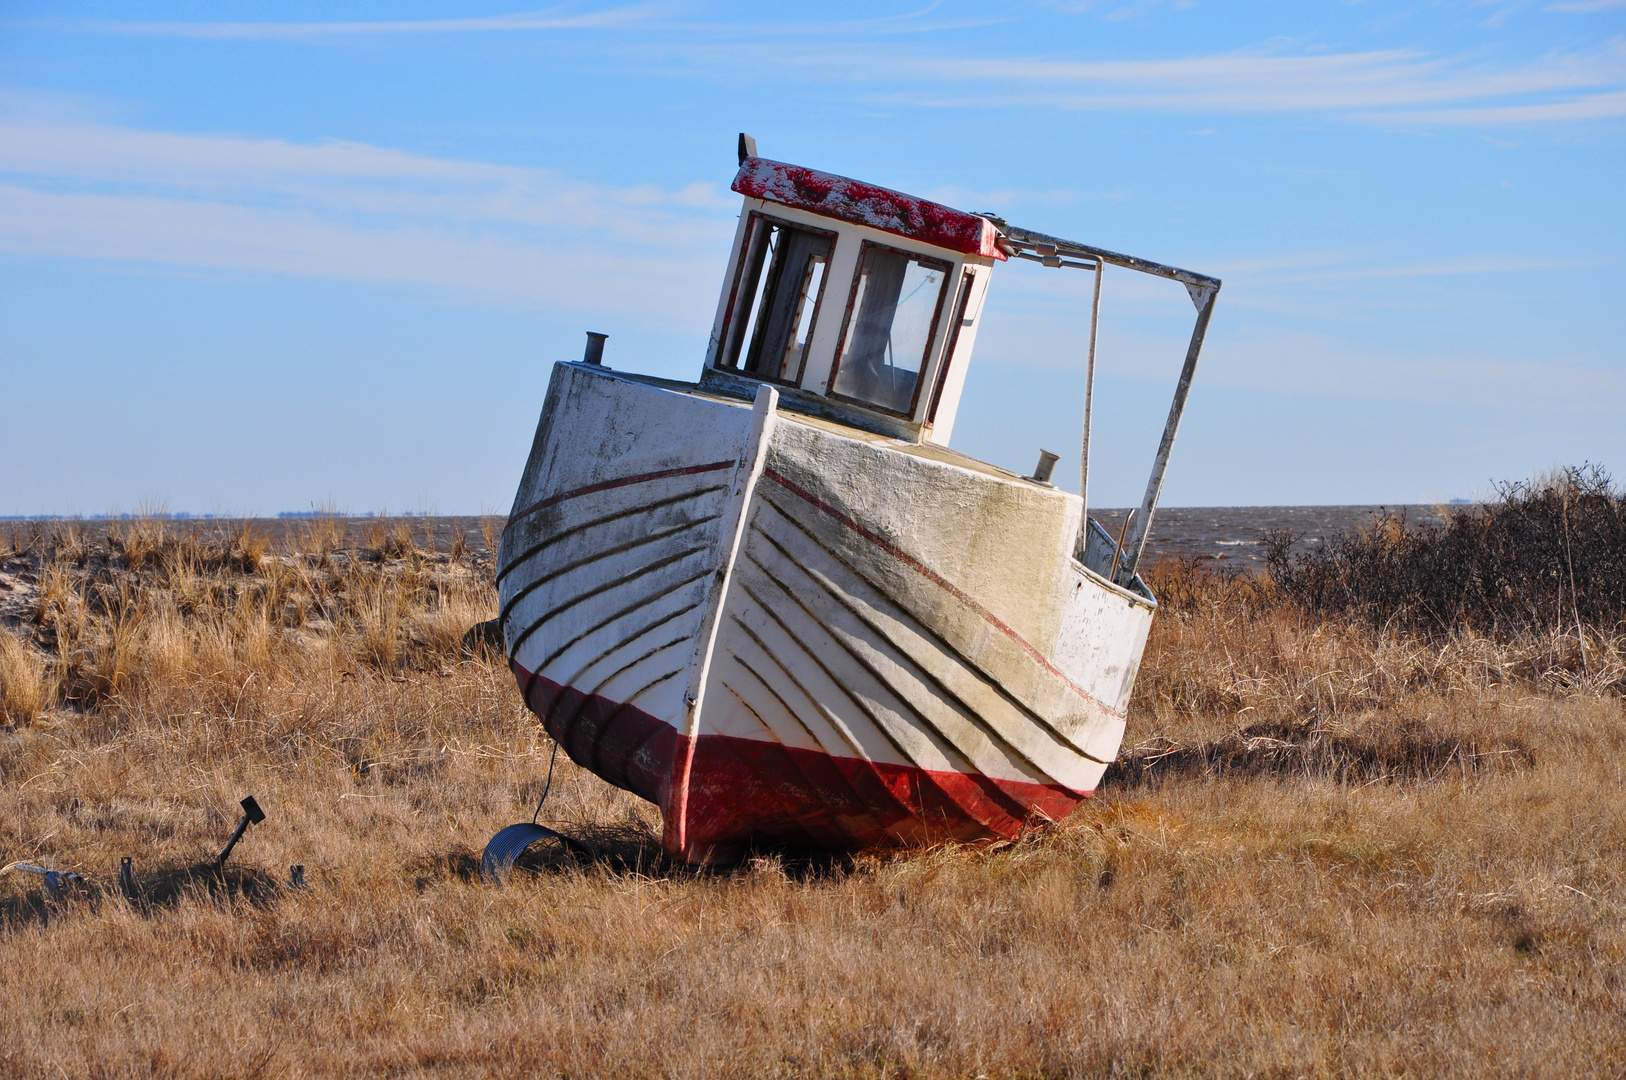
<point x="1046" y="467"/>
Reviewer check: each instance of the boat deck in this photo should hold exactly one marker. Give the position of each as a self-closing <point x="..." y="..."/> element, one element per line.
<point x="793" y="406"/>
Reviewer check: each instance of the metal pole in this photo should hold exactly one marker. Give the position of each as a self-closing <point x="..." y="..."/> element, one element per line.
<point x="1089" y="403"/>
<point x="1154" y="485"/>
<point x="1129" y="262"/>
<point x="242" y="827"/>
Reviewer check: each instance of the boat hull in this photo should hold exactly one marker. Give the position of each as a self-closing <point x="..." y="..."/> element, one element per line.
<point x="788" y="632"/>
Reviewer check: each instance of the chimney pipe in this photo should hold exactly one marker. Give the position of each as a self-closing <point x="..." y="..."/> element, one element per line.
<point x="1046" y="466"/>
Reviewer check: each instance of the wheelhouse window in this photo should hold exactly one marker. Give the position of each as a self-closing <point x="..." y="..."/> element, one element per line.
<point x="776" y="300"/>
<point x="891" y="322"/>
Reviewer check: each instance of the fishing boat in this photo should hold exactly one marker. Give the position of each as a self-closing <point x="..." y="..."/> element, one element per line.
<point x="775" y="602"/>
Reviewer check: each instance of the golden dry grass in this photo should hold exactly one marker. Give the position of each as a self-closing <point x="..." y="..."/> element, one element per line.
<point x="25" y="685"/>
<point x="1327" y="852"/>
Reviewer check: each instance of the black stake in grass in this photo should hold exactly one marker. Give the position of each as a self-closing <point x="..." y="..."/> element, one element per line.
<point x="252" y="815"/>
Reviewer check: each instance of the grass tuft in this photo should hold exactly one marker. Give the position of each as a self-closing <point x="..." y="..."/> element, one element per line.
<point x="26" y="687"/>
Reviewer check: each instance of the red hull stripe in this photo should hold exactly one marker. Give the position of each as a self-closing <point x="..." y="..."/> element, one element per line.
<point x="937" y="579"/>
<point x="620" y="743"/>
<point x="744" y="791"/>
<point x="865" y="204"/>
<point x="625" y="481"/>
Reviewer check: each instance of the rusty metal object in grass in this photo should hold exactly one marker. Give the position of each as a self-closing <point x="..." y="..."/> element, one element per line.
<point x="509" y="844"/>
<point x="497" y="861"/>
<point x="252" y="815"/>
<point x="55" y="882"/>
<point x="483" y="637"/>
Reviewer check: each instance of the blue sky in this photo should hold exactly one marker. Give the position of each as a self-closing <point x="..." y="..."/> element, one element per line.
<point x="255" y="257"/>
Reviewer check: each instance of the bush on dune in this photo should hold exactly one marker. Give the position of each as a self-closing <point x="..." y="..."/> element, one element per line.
<point x="1546" y="553"/>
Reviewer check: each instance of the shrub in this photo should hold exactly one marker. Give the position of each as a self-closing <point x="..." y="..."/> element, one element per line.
<point x="1547" y="554"/>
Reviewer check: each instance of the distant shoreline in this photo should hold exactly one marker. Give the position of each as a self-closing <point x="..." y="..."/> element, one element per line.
<point x="1227" y="535"/>
<point x="411" y="515"/>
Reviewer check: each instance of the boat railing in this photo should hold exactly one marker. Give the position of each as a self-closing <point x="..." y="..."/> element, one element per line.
<point x="1056" y="252"/>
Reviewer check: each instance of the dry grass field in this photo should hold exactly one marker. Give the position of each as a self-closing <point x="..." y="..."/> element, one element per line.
<point x="1331" y="848"/>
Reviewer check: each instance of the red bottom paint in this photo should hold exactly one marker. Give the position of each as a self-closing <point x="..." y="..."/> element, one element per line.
<point x="746" y="791"/>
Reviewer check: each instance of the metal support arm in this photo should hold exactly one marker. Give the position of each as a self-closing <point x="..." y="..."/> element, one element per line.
<point x="1154" y="485"/>
<point x="1069" y="248"/>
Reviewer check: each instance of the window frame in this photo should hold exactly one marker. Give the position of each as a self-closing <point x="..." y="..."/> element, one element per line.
<point x="947" y="267"/>
<point x="730" y="350"/>
<point x="968" y="281"/>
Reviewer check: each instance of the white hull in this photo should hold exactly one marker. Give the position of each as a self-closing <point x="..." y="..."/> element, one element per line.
<point x="784" y="630"/>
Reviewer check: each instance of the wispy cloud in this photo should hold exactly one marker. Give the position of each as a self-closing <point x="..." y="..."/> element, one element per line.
<point x="1407" y="85"/>
<point x="1352" y="265"/>
<point x="1374" y="84"/>
<point x="1326" y="361"/>
<point x="550" y="19"/>
<point x="1318" y="303"/>
<point x="223" y="236"/>
<point x="660" y="17"/>
<point x="477" y="230"/>
<point x="1590" y="107"/>
<point x="351" y="176"/>
<point x="1307" y="362"/>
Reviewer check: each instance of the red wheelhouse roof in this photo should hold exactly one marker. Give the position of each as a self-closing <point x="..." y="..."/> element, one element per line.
<point x="865" y="204"/>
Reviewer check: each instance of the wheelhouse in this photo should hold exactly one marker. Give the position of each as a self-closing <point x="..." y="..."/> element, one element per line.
<point x="861" y="305"/>
<point x="858" y="302"/>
